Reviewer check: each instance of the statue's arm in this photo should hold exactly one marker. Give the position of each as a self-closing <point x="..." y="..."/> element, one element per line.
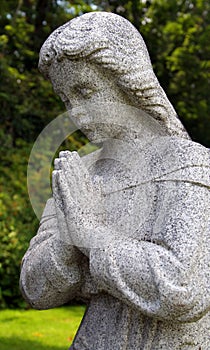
<point x="50" y="273"/>
<point x="162" y="277"/>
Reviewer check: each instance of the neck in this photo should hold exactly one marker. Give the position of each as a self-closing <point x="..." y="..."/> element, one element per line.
<point x="114" y="124"/>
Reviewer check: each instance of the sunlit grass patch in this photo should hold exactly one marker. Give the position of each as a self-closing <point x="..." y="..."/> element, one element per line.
<point x="39" y="330"/>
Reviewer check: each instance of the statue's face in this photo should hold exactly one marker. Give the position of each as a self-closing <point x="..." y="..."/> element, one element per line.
<point x="81" y="84"/>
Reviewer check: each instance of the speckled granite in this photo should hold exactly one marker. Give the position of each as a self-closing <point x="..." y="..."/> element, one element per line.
<point x="128" y="226"/>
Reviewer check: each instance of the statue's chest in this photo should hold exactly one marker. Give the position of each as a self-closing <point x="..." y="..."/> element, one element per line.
<point x="127" y="198"/>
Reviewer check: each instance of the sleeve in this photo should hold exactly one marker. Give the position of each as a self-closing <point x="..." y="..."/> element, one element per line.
<point x="161" y="276"/>
<point x="50" y="272"/>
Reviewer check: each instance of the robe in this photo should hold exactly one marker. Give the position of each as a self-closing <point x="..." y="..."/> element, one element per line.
<point x="149" y="288"/>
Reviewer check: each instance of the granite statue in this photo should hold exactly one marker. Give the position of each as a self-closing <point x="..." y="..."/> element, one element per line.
<point x="127" y="229"/>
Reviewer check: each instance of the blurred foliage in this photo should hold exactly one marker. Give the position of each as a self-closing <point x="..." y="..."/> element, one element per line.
<point x="177" y="36"/>
<point x="17" y="221"/>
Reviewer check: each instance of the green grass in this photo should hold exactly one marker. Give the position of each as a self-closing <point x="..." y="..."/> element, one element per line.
<point x="39" y="330"/>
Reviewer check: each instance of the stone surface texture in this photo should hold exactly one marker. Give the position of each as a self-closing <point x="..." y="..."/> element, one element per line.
<point x="128" y="227"/>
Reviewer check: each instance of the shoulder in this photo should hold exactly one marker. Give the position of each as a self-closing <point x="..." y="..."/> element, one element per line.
<point x="181" y="151"/>
<point x="176" y="158"/>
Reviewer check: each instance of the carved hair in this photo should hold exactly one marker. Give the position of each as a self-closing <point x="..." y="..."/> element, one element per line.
<point x="113" y="43"/>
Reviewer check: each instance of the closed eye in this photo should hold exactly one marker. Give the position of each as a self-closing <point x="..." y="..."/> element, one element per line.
<point x="86" y="92"/>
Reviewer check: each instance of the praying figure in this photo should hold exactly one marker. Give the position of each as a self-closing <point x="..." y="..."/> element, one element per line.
<point x="127" y="229"/>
